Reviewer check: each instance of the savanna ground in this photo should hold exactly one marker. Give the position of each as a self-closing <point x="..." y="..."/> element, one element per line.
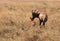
<point x="15" y="24"/>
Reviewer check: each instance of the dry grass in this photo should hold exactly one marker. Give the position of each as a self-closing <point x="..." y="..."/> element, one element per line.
<point x="15" y="24"/>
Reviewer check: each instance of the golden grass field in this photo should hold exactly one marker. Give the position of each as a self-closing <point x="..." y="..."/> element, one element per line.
<point x="15" y="23"/>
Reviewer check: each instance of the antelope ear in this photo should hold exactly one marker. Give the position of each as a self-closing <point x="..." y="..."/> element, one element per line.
<point x="34" y="10"/>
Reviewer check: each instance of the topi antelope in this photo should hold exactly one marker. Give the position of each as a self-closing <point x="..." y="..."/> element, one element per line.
<point x="41" y="16"/>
